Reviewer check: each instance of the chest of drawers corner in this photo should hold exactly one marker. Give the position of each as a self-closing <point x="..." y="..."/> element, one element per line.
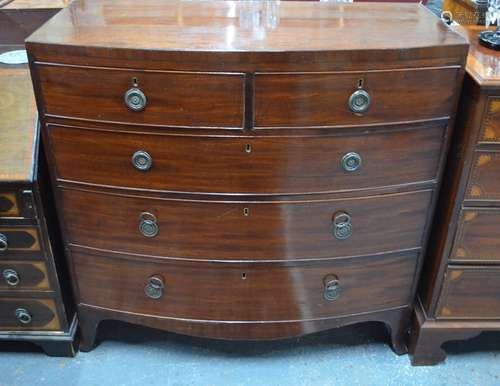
<point x="460" y="291"/>
<point x="35" y="300"/>
<point x="244" y="189"/>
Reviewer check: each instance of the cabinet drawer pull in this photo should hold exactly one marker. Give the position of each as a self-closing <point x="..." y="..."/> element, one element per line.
<point x="154" y="287"/>
<point x="332" y="288"/>
<point x="148" y="225"/>
<point x="23" y="316"/>
<point x="4" y="244"/>
<point x="351" y="162"/>
<point x="142" y="160"/>
<point x="342" y="226"/>
<point x="11" y="277"/>
<point x="135" y="99"/>
<point x="359" y="101"/>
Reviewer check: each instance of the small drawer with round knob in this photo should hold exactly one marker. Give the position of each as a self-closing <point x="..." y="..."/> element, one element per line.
<point x="28" y="314"/>
<point x="19" y="240"/>
<point x="23" y="275"/>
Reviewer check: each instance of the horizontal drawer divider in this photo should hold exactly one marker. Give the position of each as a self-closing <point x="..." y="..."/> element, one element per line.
<point x="285" y="262"/>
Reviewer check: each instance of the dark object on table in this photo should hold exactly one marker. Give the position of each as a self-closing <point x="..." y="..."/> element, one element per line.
<point x="490" y="39"/>
<point x="263" y="184"/>
<point x="460" y="292"/>
<point x="35" y="301"/>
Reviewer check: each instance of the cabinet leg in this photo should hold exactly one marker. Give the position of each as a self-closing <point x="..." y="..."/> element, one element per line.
<point x="88" y="323"/>
<point x="398" y="327"/>
<point x="59" y="348"/>
<point x="427" y="337"/>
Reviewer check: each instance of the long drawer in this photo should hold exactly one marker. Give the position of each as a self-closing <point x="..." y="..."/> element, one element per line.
<point x="245" y="291"/>
<point x="471" y="293"/>
<point x="484" y="180"/>
<point x="263" y="165"/>
<point x="302" y="99"/>
<point x="478" y="236"/>
<point x="172" y="98"/>
<point x="246" y="230"/>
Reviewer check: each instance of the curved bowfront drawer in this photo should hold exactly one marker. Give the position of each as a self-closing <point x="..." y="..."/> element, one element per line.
<point x="169" y="98"/>
<point x="245" y="292"/>
<point x="261" y="165"/>
<point x="28" y="314"/>
<point x="323" y="99"/>
<point x="254" y="230"/>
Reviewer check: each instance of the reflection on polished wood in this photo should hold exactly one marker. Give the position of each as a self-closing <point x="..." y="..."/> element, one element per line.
<point x="282" y="160"/>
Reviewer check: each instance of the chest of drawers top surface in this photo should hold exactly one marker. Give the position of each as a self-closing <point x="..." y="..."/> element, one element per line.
<point x="243" y="33"/>
<point x="18" y="125"/>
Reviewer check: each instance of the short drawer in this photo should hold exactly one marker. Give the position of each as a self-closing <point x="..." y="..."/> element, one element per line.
<point x="470" y="292"/>
<point x="22" y="275"/>
<point x="478" y="236"/>
<point x="305" y="164"/>
<point x="245" y="291"/>
<point x="19" y="241"/>
<point x="245" y="230"/>
<point x="9" y="206"/>
<point x="301" y="99"/>
<point x="172" y="98"/>
<point x="484" y="180"/>
<point x="28" y="314"/>
<point x="490" y="130"/>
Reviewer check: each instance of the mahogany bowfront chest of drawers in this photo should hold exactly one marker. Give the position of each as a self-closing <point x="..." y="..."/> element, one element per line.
<point x="35" y="303"/>
<point x="460" y="292"/>
<point x="225" y="175"/>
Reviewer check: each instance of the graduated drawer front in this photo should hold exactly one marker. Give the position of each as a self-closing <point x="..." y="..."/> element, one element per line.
<point x="42" y="313"/>
<point x="484" y="180"/>
<point x="471" y="293"/>
<point x="478" y="236"/>
<point x="245" y="292"/>
<point x="173" y="98"/>
<point x="253" y="230"/>
<point x="303" y="99"/>
<point x="490" y="130"/>
<point x="248" y="165"/>
<point x="22" y="275"/>
<point x="19" y="241"/>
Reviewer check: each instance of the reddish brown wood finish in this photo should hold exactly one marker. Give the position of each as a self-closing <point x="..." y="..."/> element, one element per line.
<point x="458" y="300"/>
<point x="173" y="98"/>
<point x="477" y="238"/>
<point x="470" y="293"/>
<point x="250" y="164"/>
<point x="246" y="292"/>
<point x="484" y="180"/>
<point x="222" y="230"/>
<point x="322" y="99"/>
<point x="222" y="205"/>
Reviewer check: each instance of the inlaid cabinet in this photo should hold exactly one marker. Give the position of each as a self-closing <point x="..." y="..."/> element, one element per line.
<point x="243" y="177"/>
<point x="35" y="296"/>
<point x="460" y="291"/>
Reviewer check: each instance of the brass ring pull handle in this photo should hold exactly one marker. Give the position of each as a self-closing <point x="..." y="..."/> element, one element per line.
<point x="23" y="316"/>
<point x="332" y="288"/>
<point x="4" y="243"/>
<point x="11" y="277"/>
<point x="351" y="162"/>
<point x="359" y="101"/>
<point x="135" y="99"/>
<point x="154" y="287"/>
<point x="342" y="226"/>
<point x="142" y="160"/>
<point x="148" y="225"/>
